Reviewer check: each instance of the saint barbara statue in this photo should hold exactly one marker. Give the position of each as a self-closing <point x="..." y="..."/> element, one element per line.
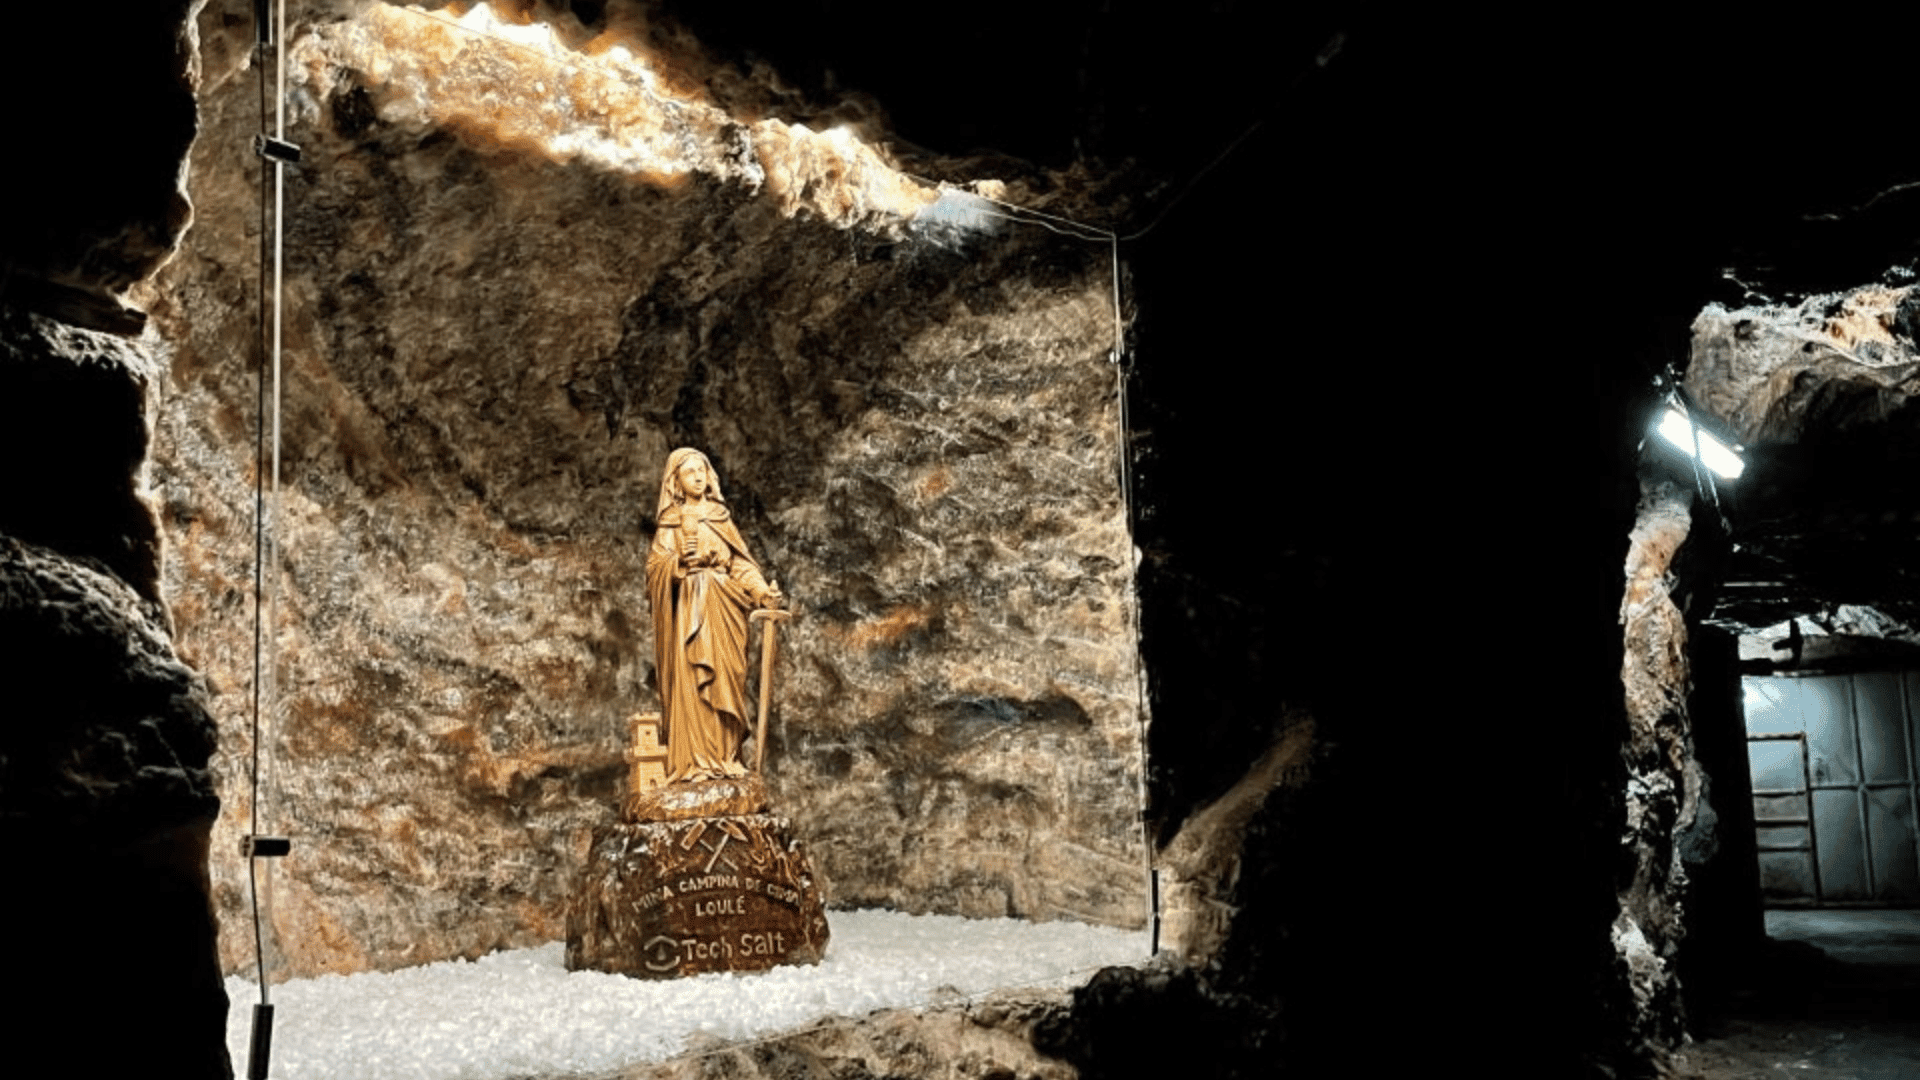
<point x="702" y="584"/>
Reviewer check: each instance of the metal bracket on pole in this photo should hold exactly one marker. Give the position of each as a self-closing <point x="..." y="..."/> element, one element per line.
<point x="264" y="847"/>
<point x="276" y="149"/>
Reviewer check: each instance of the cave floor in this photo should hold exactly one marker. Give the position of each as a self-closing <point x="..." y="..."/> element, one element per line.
<point x="1834" y="995"/>
<point x="519" y="1013"/>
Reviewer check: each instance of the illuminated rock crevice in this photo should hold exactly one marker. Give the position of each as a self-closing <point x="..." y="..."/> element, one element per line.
<point x="541" y="84"/>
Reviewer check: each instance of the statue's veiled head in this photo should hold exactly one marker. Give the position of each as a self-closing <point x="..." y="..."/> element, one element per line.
<point x="687" y="467"/>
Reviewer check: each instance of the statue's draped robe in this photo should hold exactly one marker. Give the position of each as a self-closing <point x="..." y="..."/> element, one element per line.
<point x="700" y="638"/>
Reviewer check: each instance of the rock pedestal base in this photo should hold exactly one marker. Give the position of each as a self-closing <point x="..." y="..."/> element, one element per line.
<point x="670" y="898"/>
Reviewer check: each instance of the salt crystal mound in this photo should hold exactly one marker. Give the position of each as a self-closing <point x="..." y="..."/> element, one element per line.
<point x="520" y="1013"/>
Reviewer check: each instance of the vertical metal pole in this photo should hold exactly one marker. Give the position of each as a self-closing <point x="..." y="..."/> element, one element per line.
<point x="270" y="659"/>
<point x="262" y="651"/>
<point x="273" y="475"/>
<point x="266" y="539"/>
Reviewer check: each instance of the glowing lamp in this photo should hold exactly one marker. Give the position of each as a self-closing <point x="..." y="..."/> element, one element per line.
<point x="1681" y="431"/>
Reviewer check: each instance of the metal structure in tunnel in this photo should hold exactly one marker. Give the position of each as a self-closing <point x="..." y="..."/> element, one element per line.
<point x="1834" y="787"/>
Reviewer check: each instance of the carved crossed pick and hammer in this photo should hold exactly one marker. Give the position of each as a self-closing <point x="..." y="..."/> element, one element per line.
<point x="698" y="835"/>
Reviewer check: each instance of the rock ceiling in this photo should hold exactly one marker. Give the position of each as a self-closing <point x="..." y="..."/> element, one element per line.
<point x="1822" y="393"/>
<point x="601" y="97"/>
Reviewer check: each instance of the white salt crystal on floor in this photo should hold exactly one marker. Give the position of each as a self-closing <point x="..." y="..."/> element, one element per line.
<point x="522" y="1013"/>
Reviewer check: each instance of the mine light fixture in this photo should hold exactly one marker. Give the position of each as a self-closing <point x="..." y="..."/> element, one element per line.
<point x="264" y="847"/>
<point x="1678" y="427"/>
<point x="1679" y="424"/>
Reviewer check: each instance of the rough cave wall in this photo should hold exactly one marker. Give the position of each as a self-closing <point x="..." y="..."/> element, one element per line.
<point x="106" y="801"/>
<point x="1663" y="785"/>
<point x="489" y="354"/>
<point x="1687" y="896"/>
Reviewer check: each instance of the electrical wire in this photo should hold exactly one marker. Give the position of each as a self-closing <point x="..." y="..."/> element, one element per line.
<point x="1133" y="609"/>
<point x="259" y="541"/>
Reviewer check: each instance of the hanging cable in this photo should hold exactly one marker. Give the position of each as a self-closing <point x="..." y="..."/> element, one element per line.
<point x="263" y="41"/>
<point x="1119" y="359"/>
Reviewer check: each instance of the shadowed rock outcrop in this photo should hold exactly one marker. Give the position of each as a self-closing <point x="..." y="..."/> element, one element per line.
<point x="105" y="798"/>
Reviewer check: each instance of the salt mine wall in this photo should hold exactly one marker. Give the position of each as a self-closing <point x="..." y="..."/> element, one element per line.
<point x="490" y="349"/>
<point x="1664" y="795"/>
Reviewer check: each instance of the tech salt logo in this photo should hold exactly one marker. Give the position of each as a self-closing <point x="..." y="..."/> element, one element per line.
<point x="660" y="953"/>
